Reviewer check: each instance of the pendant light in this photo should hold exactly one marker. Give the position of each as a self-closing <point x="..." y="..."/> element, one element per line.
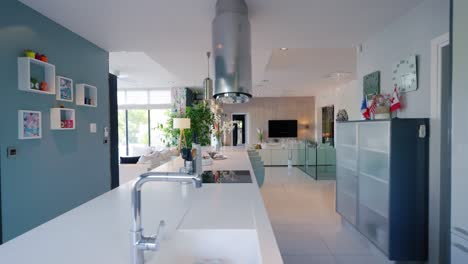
<point x="208" y="83"/>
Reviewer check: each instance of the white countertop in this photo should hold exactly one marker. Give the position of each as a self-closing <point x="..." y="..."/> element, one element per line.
<point x="98" y="231"/>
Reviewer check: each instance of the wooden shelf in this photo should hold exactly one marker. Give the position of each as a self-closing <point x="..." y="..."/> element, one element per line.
<point x="86" y="95"/>
<point x="26" y="71"/>
<point x="59" y="118"/>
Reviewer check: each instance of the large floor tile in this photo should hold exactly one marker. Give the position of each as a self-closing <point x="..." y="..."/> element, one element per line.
<point x="306" y="225"/>
<point x="308" y="259"/>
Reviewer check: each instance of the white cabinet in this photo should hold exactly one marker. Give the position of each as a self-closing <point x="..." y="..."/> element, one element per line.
<point x="279" y="157"/>
<point x="265" y="154"/>
<point x="459" y="250"/>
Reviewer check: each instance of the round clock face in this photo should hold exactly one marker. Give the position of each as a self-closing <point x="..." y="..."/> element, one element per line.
<point x="405" y="75"/>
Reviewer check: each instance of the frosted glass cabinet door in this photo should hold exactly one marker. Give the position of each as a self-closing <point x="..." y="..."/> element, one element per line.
<point x="346" y="191"/>
<point x="375" y="136"/>
<point x="374" y="163"/>
<point x="346" y="157"/>
<point x="346" y="133"/>
<point x="374" y="194"/>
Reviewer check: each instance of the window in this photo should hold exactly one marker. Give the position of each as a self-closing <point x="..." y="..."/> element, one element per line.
<point x="158" y="118"/>
<point x="141" y="114"/>
<point x="144" y="99"/>
<point x="122" y="117"/>
<point x="137" y="98"/>
<point x="137" y="132"/>
<point x="157" y="97"/>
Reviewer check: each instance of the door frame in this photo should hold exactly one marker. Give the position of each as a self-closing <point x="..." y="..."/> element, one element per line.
<point x="247" y="140"/>
<point x="436" y="249"/>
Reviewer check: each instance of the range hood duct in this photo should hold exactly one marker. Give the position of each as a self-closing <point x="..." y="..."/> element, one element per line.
<point x="232" y="52"/>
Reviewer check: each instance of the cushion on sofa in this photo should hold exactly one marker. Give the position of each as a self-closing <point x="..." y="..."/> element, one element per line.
<point x="129" y="160"/>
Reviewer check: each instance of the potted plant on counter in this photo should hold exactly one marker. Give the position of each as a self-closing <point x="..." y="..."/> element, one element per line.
<point x="260" y="137"/>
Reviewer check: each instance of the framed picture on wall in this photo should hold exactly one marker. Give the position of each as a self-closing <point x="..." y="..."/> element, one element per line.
<point x="29" y="124"/>
<point x="64" y="91"/>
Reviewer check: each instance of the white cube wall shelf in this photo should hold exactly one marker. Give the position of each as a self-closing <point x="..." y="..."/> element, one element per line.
<point x="24" y="75"/>
<point x="86" y="95"/>
<point x="60" y="119"/>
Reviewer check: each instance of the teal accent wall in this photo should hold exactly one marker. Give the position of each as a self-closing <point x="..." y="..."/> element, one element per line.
<point x="64" y="169"/>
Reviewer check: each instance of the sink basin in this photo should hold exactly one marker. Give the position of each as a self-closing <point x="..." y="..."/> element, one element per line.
<point x="208" y="246"/>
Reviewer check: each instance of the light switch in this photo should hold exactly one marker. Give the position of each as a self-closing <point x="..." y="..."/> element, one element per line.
<point x="11" y="152"/>
<point x="92" y="128"/>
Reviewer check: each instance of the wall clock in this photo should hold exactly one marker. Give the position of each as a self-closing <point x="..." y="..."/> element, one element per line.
<point x="371" y="84"/>
<point x="405" y="74"/>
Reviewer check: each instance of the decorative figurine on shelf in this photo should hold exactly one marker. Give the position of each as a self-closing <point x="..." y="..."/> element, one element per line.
<point x="38" y="56"/>
<point x="382" y="110"/>
<point x="34" y="84"/>
<point x="29" y="53"/>
<point x="342" y="115"/>
<point x="44" y="86"/>
<point x="44" y="58"/>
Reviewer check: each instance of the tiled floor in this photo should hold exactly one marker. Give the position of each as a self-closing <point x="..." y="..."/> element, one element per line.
<point x="307" y="228"/>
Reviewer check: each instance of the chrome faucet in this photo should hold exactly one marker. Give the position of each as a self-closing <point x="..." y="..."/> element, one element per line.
<point x="141" y="243"/>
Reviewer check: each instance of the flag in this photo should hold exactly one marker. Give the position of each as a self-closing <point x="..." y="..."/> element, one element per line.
<point x="373" y="106"/>
<point x="395" y="101"/>
<point x="364" y="109"/>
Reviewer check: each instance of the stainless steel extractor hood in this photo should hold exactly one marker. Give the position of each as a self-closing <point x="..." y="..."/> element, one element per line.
<point x="232" y="52"/>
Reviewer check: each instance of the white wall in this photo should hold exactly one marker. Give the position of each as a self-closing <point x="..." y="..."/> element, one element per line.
<point x="409" y="35"/>
<point x="262" y="109"/>
<point x="345" y="96"/>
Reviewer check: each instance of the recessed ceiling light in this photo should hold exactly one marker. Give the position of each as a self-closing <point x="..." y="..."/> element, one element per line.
<point x="283" y="49"/>
<point x="338" y="75"/>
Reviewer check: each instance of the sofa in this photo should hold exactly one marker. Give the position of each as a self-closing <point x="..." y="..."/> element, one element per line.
<point x="132" y="167"/>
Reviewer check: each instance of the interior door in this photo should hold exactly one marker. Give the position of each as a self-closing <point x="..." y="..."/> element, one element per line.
<point x="240" y="123"/>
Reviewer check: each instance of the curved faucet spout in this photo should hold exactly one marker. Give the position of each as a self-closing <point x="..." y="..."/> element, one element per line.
<point x="141" y="243"/>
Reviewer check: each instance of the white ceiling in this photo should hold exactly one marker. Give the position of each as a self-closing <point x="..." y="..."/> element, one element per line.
<point x="177" y="33"/>
<point x="138" y="70"/>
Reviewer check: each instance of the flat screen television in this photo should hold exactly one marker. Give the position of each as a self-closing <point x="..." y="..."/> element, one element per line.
<point x="282" y="128"/>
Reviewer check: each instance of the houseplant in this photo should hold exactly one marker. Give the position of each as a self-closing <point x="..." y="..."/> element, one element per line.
<point x="201" y="119"/>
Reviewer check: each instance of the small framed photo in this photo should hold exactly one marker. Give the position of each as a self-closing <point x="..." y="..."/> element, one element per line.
<point x="64" y="91"/>
<point x="29" y="124"/>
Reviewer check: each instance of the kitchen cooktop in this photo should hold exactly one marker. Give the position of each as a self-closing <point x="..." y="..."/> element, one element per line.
<point x="227" y="176"/>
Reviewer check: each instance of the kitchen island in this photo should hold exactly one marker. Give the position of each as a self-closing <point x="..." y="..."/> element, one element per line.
<point x="214" y="223"/>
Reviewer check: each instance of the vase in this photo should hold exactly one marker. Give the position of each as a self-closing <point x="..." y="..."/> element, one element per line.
<point x="218" y="143"/>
